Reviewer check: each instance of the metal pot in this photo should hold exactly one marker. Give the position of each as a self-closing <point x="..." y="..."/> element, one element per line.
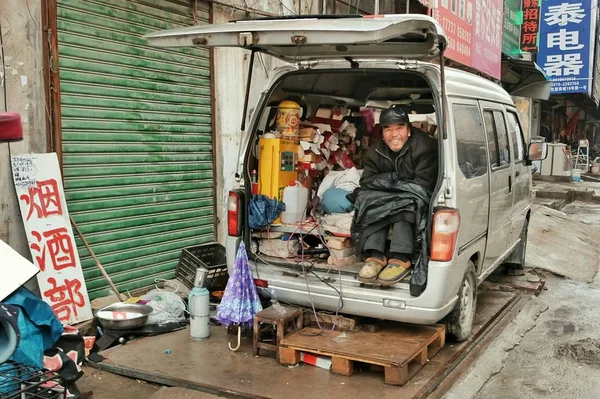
<point x="123" y="316"/>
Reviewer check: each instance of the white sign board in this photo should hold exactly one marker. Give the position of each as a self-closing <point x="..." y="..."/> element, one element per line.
<point x="44" y="211"/>
<point x="14" y="269"/>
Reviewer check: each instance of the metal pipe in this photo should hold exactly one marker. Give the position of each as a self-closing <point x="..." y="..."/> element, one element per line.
<point x="55" y="108"/>
<point x="98" y="264"/>
<point x="46" y="72"/>
<point x="376" y="11"/>
<point x="408" y="6"/>
<point x="249" y="81"/>
<point x="243" y="9"/>
<point x="443" y="90"/>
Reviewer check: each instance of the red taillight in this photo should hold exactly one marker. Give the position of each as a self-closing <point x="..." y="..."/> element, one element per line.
<point x="445" y="231"/>
<point x="261" y="283"/>
<point x="233" y="214"/>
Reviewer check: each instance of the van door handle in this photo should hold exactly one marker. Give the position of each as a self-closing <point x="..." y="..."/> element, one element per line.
<point x="510" y="184"/>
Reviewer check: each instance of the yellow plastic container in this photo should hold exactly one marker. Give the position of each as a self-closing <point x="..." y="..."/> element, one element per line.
<point x="277" y="167"/>
<point x="288" y="119"/>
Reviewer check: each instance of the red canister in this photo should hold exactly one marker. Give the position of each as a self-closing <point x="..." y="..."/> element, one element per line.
<point x="11" y="128"/>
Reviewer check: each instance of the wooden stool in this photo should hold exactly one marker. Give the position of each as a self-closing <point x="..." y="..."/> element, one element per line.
<point x="277" y="322"/>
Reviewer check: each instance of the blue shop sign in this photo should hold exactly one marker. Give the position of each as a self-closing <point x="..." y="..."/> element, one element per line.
<point x="567" y="44"/>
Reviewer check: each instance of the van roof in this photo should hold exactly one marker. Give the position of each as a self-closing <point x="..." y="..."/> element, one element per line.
<point x="464" y="84"/>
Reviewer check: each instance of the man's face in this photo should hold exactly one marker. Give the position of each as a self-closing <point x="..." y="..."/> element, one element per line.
<point x="395" y="135"/>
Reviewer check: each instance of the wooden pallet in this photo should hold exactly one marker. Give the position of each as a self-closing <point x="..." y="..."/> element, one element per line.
<point x="402" y="350"/>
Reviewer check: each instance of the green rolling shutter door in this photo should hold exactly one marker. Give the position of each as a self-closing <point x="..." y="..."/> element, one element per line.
<point x="137" y="143"/>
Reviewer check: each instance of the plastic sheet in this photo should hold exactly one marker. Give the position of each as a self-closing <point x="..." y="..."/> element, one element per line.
<point x="168" y="307"/>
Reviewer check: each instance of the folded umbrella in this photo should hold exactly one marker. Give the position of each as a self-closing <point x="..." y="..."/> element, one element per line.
<point x="240" y="302"/>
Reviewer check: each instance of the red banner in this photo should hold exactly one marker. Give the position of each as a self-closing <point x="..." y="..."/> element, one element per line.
<point x="531" y="25"/>
<point x="456" y="17"/>
<point x="474" y="32"/>
<point x="488" y="36"/>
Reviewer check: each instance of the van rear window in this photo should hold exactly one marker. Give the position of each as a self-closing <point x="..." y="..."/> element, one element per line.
<point x="470" y="140"/>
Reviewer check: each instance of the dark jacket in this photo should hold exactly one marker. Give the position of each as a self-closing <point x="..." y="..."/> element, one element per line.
<point x="383" y="200"/>
<point x="416" y="162"/>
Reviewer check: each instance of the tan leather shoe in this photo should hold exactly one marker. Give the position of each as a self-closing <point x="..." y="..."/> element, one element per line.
<point x="368" y="273"/>
<point x="395" y="271"/>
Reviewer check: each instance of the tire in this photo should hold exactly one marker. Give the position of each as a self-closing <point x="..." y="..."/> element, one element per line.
<point x="459" y="322"/>
<point x="516" y="260"/>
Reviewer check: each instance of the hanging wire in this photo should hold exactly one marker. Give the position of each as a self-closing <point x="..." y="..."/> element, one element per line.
<point x="3" y="81"/>
<point x="286" y="7"/>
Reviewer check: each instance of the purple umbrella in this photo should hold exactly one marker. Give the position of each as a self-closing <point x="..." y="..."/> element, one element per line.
<point x="240" y="302"/>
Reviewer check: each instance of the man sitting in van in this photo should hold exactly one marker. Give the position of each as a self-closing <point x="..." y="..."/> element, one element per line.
<point x="402" y="156"/>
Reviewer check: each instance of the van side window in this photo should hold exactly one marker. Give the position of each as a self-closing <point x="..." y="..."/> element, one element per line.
<point x="497" y="138"/>
<point x="503" y="144"/>
<point x="470" y="140"/>
<point x="516" y="133"/>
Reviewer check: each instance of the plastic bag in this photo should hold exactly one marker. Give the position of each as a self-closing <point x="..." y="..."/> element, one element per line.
<point x="168" y="307"/>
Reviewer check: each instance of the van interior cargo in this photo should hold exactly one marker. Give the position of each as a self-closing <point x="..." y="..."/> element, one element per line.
<point x="307" y="152"/>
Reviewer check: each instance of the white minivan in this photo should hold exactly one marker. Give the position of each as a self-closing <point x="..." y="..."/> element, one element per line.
<point x="480" y="209"/>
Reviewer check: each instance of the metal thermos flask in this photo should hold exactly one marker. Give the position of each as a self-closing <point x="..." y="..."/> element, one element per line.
<point x="198" y="302"/>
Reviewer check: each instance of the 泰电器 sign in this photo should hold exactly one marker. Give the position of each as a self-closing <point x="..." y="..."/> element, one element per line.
<point x="567" y="44"/>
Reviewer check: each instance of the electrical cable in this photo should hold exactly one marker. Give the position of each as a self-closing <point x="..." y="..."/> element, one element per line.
<point x="3" y="70"/>
<point x="308" y="286"/>
<point x="286" y="7"/>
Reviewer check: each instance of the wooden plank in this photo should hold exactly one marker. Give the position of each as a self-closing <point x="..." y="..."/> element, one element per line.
<point x="356" y="357"/>
<point x="422" y="356"/>
<point x="328" y="320"/>
<point x="339" y="243"/>
<point x="393" y="345"/>
<point x="288" y="356"/>
<point x="395" y="375"/>
<point x="342" y="366"/>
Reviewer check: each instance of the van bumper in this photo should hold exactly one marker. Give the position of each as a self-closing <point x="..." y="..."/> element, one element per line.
<point x="389" y="304"/>
<point x="374" y="309"/>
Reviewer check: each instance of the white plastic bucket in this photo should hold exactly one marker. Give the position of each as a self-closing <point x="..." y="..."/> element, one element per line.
<point x="295" y="199"/>
<point x="575" y="175"/>
<point x="596" y="168"/>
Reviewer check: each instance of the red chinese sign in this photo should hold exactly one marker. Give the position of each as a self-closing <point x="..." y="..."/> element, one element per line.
<point x="531" y="25"/>
<point x="43" y="208"/>
<point x="457" y="19"/>
<point x="474" y="32"/>
<point x="488" y="36"/>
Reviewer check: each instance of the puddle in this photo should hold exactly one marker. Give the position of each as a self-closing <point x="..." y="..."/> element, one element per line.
<point x="585" y="351"/>
<point x="560" y="327"/>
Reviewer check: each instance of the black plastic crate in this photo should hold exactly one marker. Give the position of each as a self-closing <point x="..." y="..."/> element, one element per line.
<point x="210" y="256"/>
<point x="19" y="381"/>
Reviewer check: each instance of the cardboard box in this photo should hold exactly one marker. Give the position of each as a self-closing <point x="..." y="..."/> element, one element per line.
<point x="339" y="242"/>
<point x="306" y="133"/>
<point x="342" y="253"/>
<point x="310" y="157"/>
<point x="341" y="262"/>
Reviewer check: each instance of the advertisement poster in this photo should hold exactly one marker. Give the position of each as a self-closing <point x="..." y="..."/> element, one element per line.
<point x="474" y="31"/>
<point x="530" y="26"/>
<point x="567" y="44"/>
<point x="43" y="207"/>
<point x="488" y="36"/>
<point x="457" y="19"/>
<point x="511" y="31"/>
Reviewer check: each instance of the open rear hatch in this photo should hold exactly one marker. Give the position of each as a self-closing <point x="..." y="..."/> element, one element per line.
<point x="406" y="36"/>
<point x="318" y="38"/>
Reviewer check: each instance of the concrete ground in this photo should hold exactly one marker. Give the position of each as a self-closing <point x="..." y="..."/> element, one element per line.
<point x="560" y="356"/>
<point x="104" y="385"/>
<point x="556" y="352"/>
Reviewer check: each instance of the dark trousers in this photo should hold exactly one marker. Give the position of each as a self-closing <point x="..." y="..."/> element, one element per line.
<point x="401" y="240"/>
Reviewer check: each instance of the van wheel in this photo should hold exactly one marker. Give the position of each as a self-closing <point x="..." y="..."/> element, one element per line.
<point x="459" y="322"/>
<point x="516" y="260"/>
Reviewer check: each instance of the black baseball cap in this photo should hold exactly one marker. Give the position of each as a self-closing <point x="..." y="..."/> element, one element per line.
<point x="394" y="114"/>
